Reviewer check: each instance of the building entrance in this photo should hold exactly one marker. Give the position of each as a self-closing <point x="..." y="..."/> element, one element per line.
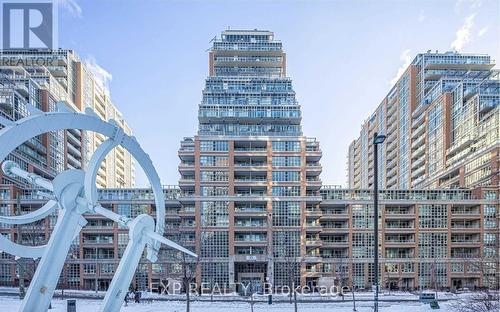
<point x="253" y="283"/>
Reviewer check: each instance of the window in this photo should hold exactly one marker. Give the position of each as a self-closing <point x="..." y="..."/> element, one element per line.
<point x="213" y="161"/>
<point x="286" y="213"/>
<point x="433" y="216"/>
<point x="214" y="146"/>
<point x="286" y="244"/>
<point x="286" y="190"/>
<point x="215" y="274"/>
<point x="362" y="245"/>
<point x="286" y="161"/>
<point x="286" y="176"/>
<point x="214" y="176"/>
<point x="214" y="190"/>
<point x="214" y="213"/>
<point x="214" y="244"/>
<point x="286" y="146"/>
<point x="432" y="245"/>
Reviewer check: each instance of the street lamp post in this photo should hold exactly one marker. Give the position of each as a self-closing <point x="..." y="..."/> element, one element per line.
<point x="377" y="139"/>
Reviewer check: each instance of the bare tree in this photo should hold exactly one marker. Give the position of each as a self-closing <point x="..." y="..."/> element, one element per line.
<point x="481" y="301"/>
<point x="353" y="295"/>
<point x="252" y="292"/>
<point x="210" y="271"/>
<point x="434" y="277"/>
<point x="189" y="266"/>
<point x="31" y="235"/>
<point x="291" y="262"/>
<point x="341" y="274"/>
<point x="487" y="297"/>
<point x="293" y="267"/>
<point x="387" y="279"/>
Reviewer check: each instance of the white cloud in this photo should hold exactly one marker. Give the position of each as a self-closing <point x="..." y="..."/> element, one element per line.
<point x="101" y="76"/>
<point x="405" y="57"/>
<point x="463" y="34"/>
<point x="482" y="31"/>
<point x="421" y="16"/>
<point x="71" y="6"/>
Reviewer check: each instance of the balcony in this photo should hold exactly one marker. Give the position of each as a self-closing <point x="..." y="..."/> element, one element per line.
<point x="22" y="89"/>
<point x="186" y="151"/>
<point x="250" y="179"/>
<point x="74" y="151"/>
<point x="399" y="226"/>
<point x="250" y="210"/>
<point x="313" y="152"/>
<point x="250" y="164"/>
<point x="465" y="243"/>
<point x="313" y="243"/>
<point x="399" y="253"/>
<point x="314" y="258"/>
<point x="339" y="227"/>
<point x="313" y="212"/>
<point x="250" y="150"/>
<point x="186" y="181"/>
<point x="416" y="173"/>
<point x="313" y="227"/>
<point x="338" y="217"/>
<point x="465" y="212"/>
<point x="313" y="168"/>
<point x="186" y="166"/>
<point x="73" y="139"/>
<point x="465" y="253"/>
<point x="416" y="143"/>
<point x="98" y="241"/>
<point x="465" y="225"/>
<point x="418" y="131"/>
<point x="187" y="211"/>
<point x="341" y="243"/>
<point x="392" y="120"/>
<point x="250" y="223"/>
<point x="250" y="193"/>
<point x="401" y="216"/>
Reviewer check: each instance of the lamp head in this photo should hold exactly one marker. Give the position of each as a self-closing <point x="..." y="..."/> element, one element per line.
<point x="378" y="138"/>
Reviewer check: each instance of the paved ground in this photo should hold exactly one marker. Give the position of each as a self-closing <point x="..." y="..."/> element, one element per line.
<point x="8" y="304"/>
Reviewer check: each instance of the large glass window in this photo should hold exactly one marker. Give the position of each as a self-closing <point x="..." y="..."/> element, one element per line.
<point x="286" y="190"/>
<point x="214" y="213"/>
<point x="213" y="161"/>
<point x="286" y="161"/>
<point x="286" y="146"/>
<point x="286" y="176"/>
<point x="214" y="244"/>
<point x="286" y="213"/>
<point x="215" y="176"/>
<point x="214" y="146"/>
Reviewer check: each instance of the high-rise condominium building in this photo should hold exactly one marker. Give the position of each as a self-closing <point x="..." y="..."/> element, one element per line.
<point x="43" y="79"/>
<point x="250" y="178"/>
<point x="442" y="125"/>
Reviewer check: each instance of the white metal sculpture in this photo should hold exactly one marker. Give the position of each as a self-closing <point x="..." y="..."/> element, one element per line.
<point x="74" y="193"/>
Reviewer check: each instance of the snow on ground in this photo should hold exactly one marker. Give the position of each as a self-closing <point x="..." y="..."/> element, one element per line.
<point x="8" y="304"/>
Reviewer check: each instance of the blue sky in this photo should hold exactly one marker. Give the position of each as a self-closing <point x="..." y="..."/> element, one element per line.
<point x="341" y="55"/>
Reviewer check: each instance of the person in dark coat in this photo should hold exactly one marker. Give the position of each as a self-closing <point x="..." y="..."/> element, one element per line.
<point x="137" y="296"/>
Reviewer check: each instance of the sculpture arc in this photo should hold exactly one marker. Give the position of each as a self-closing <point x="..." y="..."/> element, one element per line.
<point x="32" y="126"/>
<point x="21" y="250"/>
<point x="75" y="194"/>
<point x="39" y="214"/>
